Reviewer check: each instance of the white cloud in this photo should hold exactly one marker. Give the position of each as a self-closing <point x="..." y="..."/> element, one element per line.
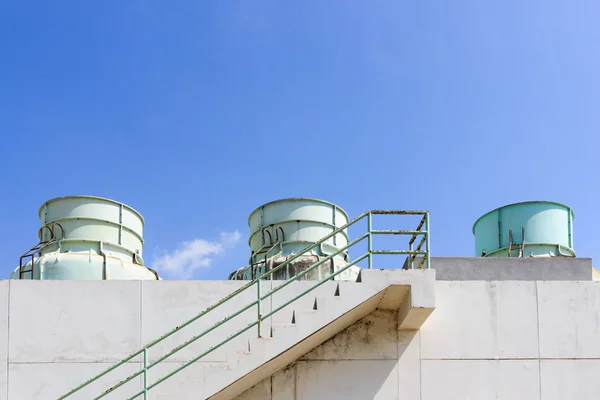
<point x="229" y="239"/>
<point x="192" y="255"/>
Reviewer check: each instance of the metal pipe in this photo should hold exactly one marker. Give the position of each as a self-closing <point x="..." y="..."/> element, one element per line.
<point x="104" y="263"/>
<point x="259" y="299"/>
<point x="370" y="230"/>
<point x="187" y="364"/>
<point x="306" y="271"/>
<point x="399" y="212"/>
<point x="112" y="368"/>
<point x="314" y="245"/>
<point x="319" y="283"/>
<point x="145" y="374"/>
<point x="398" y="232"/>
<point x="421" y="223"/>
<point x="427" y="247"/>
<point x="405" y="252"/>
<point x="258" y="308"/>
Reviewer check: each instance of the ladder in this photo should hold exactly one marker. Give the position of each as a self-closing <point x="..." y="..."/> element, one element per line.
<point x="266" y="250"/>
<point x="512" y="243"/>
<point x="37" y="248"/>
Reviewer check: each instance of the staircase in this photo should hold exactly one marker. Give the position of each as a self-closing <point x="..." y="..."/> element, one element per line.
<point x="302" y="316"/>
<point x="345" y="304"/>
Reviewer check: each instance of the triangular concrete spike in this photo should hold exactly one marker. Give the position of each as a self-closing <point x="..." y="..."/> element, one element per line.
<point x="315" y="305"/>
<point x="294" y="317"/>
<point x="337" y="290"/>
<point x="359" y="278"/>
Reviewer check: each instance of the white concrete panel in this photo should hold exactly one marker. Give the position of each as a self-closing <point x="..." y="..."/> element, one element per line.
<point x="570" y="379"/>
<point x="4" y="290"/>
<point x="569" y="319"/>
<point x="50" y="380"/>
<point x="283" y="385"/>
<point x="168" y="304"/>
<point x="374" y="337"/>
<point x="342" y="380"/>
<point x="482" y="320"/>
<point x="188" y="384"/>
<point x="409" y="365"/>
<point x="480" y="380"/>
<point x="59" y="321"/>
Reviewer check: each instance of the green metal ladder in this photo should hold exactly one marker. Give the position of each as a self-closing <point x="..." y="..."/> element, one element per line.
<point x="37" y="248"/>
<point x="260" y="297"/>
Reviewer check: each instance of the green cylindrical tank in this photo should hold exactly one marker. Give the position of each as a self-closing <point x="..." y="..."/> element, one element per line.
<point x="297" y="223"/>
<point x="88" y="238"/>
<point x="527" y="229"/>
<point x="283" y="228"/>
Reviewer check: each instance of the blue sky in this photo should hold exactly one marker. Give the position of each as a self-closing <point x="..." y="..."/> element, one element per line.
<point x="195" y="113"/>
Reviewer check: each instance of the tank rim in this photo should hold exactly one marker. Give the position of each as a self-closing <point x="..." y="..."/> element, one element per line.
<point x="521" y="203"/>
<point x="298" y="199"/>
<point x="94" y="198"/>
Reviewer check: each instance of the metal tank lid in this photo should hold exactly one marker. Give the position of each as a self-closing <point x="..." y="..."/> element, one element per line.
<point x="524" y="202"/>
<point x="93" y="198"/>
<point x="299" y="199"/>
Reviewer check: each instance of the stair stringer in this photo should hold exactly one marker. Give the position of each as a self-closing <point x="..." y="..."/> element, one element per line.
<point x="269" y="355"/>
<point x="411" y="292"/>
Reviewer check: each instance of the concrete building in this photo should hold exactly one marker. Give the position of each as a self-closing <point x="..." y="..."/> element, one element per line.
<point x="521" y="327"/>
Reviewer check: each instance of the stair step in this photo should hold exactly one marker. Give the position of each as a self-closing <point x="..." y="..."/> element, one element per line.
<point x="303" y="312"/>
<point x="281" y="327"/>
<point x="284" y="331"/>
<point x="282" y="324"/>
<point x="305" y="302"/>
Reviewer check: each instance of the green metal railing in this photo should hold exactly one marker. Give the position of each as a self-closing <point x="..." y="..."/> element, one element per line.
<point x="412" y="254"/>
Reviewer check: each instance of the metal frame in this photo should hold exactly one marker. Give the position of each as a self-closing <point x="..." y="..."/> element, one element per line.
<point x="260" y="297"/>
<point x="36" y="249"/>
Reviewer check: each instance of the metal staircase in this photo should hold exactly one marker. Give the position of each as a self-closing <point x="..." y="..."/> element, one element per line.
<point x="256" y="304"/>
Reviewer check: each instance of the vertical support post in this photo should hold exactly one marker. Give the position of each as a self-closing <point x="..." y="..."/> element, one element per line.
<point x="121" y="224"/>
<point x="499" y="214"/>
<point x="145" y="373"/>
<point x="369" y="228"/>
<point x="570" y="230"/>
<point x="411" y="256"/>
<point x="258" y="307"/>
<point x="334" y="225"/>
<point x="428" y="243"/>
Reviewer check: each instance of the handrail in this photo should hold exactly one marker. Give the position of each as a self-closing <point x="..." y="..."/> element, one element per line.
<point x="261" y="297"/>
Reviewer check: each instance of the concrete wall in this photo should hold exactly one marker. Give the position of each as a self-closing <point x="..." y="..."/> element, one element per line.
<point x="485" y="340"/>
<point x="510" y="269"/>
<point x="369" y="360"/>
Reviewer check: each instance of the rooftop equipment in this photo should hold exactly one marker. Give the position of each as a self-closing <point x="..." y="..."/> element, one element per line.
<point x="528" y="229"/>
<point x="86" y="238"/>
<point x="282" y="228"/>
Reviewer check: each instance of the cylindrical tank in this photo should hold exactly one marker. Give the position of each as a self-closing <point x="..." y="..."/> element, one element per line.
<point x="89" y="238"/>
<point x="547" y="228"/>
<point x="303" y="221"/>
<point x="280" y="229"/>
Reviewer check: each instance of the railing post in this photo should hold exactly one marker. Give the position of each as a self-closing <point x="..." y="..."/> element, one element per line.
<point x="411" y="257"/>
<point x="370" y="239"/>
<point x="258" y="307"/>
<point x="145" y="373"/>
<point x="428" y="240"/>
